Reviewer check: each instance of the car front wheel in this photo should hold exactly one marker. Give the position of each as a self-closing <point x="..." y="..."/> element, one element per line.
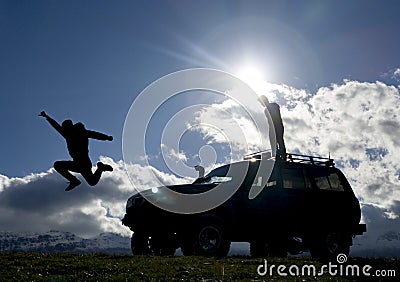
<point x="207" y="237"/>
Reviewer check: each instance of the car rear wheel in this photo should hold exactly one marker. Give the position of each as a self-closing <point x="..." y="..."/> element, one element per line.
<point x="328" y="246"/>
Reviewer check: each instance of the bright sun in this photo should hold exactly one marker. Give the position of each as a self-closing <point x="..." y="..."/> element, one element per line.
<point x="252" y="76"/>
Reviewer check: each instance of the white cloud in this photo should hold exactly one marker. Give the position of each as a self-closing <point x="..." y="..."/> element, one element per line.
<point x="396" y="74"/>
<point x="228" y="122"/>
<point x="38" y="202"/>
<point x="172" y="154"/>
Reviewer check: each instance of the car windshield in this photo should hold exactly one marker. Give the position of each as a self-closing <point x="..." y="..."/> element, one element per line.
<point x="216" y="176"/>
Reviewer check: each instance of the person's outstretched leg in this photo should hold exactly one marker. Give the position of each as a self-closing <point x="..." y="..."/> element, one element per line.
<point x="64" y="168"/>
<point x="93" y="178"/>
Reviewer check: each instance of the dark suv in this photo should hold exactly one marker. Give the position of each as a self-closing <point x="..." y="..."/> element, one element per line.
<point x="306" y="205"/>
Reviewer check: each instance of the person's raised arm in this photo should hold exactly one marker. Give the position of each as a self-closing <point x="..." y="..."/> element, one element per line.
<point x="52" y="122"/>
<point x="98" y="135"/>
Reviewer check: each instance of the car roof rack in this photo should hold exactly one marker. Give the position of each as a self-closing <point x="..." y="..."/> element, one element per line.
<point x="313" y="160"/>
<point x="266" y="154"/>
<point x="294" y="158"/>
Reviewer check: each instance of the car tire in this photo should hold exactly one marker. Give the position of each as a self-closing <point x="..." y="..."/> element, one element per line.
<point x="207" y="237"/>
<point x="140" y="244"/>
<point x="328" y="246"/>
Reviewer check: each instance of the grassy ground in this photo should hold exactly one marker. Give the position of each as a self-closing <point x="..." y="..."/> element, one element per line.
<point x="98" y="267"/>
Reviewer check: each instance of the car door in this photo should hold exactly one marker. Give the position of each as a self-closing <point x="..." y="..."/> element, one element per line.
<point x="293" y="198"/>
<point x="259" y="214"/>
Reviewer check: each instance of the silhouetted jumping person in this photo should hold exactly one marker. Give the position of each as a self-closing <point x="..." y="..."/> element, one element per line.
<point x="77" y="137"/>
<point x="274" y="119"/>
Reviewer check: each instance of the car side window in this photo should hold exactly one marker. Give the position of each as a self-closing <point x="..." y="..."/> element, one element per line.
<point x="293" y="178"/>
<point x="322" y="182"/>
<point x="335" y="182"/>
<point x="327" y="180"/>
<point x="271" y="183"/>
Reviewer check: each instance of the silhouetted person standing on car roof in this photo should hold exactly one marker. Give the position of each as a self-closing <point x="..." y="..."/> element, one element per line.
<point x="77" y="137"/>
<point x="275" y="121"/>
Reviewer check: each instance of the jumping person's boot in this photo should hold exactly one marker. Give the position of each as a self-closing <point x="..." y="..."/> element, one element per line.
<point x="104" y="167"/>
<point x="72" y="184"/>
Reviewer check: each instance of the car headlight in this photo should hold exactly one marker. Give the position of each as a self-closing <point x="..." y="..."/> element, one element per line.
<point x="135" y="200"/>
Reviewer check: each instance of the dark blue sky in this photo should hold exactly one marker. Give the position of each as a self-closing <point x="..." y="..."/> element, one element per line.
<point x="88" y="60"/>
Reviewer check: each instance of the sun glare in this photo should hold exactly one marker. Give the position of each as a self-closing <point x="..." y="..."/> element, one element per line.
<point x="253" y="77"/>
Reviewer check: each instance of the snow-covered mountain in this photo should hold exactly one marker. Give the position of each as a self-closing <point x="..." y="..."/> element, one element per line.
<point x="59" y="242"/>
<point x="385" y="245"/>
